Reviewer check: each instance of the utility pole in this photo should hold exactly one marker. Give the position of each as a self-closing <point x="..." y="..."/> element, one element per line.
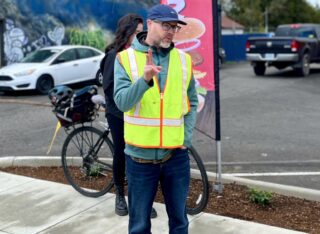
<point x="251" y="18"/>
<point x="266" y="20"/>
<point x="219" y="22"/>
<point x="296" y="10"/>
<point x="2" y="28"/>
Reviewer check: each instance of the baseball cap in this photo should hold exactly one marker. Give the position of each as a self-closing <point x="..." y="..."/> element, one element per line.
<point x="164" y="13"/>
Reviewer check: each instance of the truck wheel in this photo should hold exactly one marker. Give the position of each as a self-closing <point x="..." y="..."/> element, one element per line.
<point x="259" y="69"/>
<point x="304" y="69"/>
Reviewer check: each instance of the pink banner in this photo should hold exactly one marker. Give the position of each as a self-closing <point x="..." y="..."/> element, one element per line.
<point x="196" y="38"/>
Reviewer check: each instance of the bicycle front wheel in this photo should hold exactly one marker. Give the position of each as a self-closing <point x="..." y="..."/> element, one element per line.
<point x="87" y="158"/>
<point x="198" y="196"/>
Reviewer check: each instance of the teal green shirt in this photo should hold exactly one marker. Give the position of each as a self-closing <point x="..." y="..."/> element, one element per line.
<point x="127" y="95"/>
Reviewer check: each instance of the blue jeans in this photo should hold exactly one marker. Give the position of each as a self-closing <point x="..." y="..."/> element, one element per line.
<point x="143" y="180"/>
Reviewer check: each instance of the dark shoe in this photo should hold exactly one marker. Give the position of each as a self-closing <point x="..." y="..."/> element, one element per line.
<point x="154" y="213"/>
<point x="121" y="207"/>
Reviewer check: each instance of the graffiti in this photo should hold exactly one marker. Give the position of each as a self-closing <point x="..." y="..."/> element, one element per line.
<point x="16" y="43"/>
<point x="37" y="44"/>
<point x="14" y="40"/>
<point x="56" y="35"/>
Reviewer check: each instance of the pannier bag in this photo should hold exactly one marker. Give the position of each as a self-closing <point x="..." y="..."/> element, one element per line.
<point x="72" y="108"/>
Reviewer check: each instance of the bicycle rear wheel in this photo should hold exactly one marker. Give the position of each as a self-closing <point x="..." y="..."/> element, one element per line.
<point x="198" y="196"/>
<point x="87" y="158"/>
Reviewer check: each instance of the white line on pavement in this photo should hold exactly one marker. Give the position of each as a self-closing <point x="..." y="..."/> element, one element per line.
<point x="273" y="174"/>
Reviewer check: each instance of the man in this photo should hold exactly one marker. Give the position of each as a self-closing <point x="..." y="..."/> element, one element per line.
<point x="155" y="89"/>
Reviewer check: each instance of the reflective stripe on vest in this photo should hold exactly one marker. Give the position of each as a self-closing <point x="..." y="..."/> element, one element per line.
<point x="135" y="74"/>
<point x="153" y="122"/>
<point x="157" y="121"/>
<point x="184" y="82"/>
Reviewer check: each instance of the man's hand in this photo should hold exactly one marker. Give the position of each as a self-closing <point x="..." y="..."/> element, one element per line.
<point x="150" y="70"/>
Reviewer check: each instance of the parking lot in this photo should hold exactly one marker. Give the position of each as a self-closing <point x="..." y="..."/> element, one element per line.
<point x="270" y="126"/>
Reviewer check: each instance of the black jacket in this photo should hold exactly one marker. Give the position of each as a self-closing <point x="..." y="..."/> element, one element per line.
<point x="108" y="80"/>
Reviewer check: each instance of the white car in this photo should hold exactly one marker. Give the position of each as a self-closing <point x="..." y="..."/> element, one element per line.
<point x="51" y="66"/>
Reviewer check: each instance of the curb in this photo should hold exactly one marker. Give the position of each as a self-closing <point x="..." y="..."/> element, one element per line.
<point x="304" y="193"/>
<point x="287" y="190"/>
<point x="30" y="161"/>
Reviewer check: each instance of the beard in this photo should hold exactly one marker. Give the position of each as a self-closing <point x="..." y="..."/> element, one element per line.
<point x="166" y="41"/>
<point x="165" y="44"/>
<point x="162" y="42"/>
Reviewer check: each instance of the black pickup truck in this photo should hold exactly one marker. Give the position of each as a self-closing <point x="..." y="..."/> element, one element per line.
<point x="295" y="45"/>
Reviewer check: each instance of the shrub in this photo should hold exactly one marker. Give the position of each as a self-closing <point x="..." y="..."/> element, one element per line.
<point x="96" y="39"/>
<point x="260" y="197"/>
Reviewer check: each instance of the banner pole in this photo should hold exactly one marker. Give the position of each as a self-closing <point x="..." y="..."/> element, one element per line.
<point x="2" y="29"/>
<point x="216" y="10"/>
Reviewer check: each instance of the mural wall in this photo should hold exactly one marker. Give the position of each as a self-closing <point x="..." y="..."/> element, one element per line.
<point x="32" y="24"/>
<point x="17" y="44"/>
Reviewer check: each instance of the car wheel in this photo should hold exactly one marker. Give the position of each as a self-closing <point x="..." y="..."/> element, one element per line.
<point x="259" y="69"/>
<point x="44" y="84"/>
<point x="99" y="78"/>
<point x="304" y="69"/>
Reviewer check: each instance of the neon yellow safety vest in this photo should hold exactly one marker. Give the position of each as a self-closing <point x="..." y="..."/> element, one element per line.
<point x="157" y="120"/>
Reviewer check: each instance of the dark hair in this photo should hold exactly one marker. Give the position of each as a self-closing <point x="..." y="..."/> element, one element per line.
<point x="127" y="26"/>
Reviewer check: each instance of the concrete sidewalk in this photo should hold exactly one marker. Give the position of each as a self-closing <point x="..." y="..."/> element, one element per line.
<point x="30" y="205"/>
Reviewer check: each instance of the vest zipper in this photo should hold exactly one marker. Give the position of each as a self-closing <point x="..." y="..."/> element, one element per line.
<point x="161" y="117"/>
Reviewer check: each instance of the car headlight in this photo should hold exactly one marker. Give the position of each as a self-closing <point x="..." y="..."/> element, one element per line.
<point x="25" y="73"/>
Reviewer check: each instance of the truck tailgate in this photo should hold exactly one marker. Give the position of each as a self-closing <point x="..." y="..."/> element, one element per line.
<point x="270" y="45"/>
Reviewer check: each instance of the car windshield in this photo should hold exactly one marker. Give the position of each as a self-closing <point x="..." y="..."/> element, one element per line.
<point x="39" y="56"/>
<point x="295" y="32"/>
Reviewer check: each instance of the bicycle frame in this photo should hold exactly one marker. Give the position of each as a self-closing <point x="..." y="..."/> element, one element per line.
<point x="95" y="149"/>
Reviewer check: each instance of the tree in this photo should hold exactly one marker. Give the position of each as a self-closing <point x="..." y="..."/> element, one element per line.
<point x="247" y="12"/>
<point x="91" y="38"/>
<point x="250" y="13"/>
<point x="292" y="11"/>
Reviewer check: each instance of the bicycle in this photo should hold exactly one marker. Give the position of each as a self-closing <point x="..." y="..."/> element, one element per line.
<point x="197" y="202"/>
<point x="87" y="152"/>
<point x="87" y="155"/>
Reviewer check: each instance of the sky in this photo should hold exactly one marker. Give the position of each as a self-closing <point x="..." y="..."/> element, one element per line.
<point x="314" y="2"/>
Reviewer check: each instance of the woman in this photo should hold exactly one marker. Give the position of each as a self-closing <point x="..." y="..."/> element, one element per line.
<point x="128" y="26"/>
